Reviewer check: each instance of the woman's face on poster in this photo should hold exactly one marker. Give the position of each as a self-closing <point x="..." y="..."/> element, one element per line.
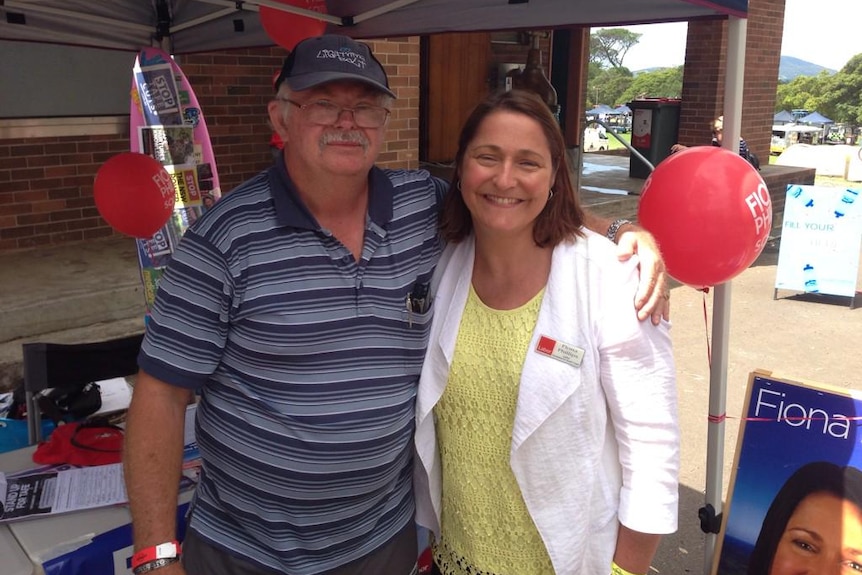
<point x="822" y="537"/>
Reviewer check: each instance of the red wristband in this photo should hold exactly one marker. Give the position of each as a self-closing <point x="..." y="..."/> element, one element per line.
<point x="169" y="550"/>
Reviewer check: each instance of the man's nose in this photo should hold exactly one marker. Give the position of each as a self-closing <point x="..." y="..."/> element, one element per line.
<point x="346" y="116"/>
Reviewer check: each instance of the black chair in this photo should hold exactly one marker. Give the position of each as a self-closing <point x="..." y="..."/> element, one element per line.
<point x="73" y="366"/>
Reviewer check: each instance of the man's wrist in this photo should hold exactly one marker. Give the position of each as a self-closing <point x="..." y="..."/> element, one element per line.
<point x="154" y="565"/>
<point x="155" y="557"/>
<point x="613" y="232"/>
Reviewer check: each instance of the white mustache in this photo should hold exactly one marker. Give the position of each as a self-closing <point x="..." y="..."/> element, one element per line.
<point x="344" y="138"/>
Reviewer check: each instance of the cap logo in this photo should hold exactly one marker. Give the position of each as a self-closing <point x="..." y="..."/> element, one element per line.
<point x="343" y="55"/>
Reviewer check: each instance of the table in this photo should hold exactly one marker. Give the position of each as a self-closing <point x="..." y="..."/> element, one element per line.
<point x="14" y="561"/>
<point x="93" y="542"/>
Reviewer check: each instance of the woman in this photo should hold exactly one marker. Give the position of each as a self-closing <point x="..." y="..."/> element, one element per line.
<point x="814" y="524"/>
<point x="547" y="437"/>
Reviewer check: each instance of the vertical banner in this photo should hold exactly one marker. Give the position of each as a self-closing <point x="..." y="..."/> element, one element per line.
<point x="166" y="123"/>
<point x="820" y="240"/>
<point x="795" y="498"/>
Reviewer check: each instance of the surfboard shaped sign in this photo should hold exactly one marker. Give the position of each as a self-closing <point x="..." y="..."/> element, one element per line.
<point x="166" y="122"/>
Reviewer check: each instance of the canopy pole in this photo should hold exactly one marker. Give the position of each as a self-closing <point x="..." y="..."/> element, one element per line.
<point x="733" y="85"/>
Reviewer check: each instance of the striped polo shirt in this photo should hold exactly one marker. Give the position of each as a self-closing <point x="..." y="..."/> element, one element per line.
<point x="307" y="363"/>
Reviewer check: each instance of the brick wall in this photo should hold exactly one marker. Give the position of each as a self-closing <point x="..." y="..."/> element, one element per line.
<point x="46" y="189"/>
<point x="703" y="81"/>
<point x="46" y="184"/>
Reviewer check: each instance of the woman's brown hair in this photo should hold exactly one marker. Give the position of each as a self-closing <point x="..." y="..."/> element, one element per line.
<point x="563" y="215"/>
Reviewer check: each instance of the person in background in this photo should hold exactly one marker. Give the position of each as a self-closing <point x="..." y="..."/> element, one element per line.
<point x="547" y="432"/>
<point x="813" y="525"/>
<point x="283" y="308"/>
<point x="717" y="127"/>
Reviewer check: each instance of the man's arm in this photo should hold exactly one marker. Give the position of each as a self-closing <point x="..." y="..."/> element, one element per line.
<point x="152" y="461"/>
<point x="653" y="296"/>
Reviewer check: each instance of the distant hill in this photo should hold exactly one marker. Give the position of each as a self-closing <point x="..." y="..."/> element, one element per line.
<point x="790" y="67"/>
<point x="653" y="69"/>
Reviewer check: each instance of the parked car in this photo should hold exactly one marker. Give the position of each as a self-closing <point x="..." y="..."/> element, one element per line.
<point x="595" y="140"/>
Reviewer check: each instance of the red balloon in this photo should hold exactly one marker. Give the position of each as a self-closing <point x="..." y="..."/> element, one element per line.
<point x="710" y="212"/>
<point x="287" y="29"/>
<point x="134" y="193"/>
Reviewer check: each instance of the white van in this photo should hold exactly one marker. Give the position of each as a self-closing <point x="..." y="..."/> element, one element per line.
<point x="595" y="140"/>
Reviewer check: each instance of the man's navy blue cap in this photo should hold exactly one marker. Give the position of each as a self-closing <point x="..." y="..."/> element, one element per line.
<point x="321" y="59"/>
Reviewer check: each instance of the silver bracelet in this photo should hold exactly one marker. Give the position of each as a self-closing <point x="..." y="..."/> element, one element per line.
<point x="615" y="227"/>
<point x="154" y="564"/>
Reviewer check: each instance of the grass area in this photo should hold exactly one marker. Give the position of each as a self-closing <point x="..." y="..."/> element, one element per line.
<point x="835" y="182"/>
<point x="614" y="144"/>
<point x="828" y="181"/>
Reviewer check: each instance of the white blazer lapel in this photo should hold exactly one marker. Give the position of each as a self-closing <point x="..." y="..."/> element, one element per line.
<point x="547" y="382"/>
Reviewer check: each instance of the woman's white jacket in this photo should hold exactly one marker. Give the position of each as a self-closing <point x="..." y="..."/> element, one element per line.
<point x="595" y="441"/>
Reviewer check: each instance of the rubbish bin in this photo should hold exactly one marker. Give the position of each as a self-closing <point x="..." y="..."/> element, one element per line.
<point x="655" y="127"/>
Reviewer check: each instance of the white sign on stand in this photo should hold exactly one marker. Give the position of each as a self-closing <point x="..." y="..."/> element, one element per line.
<point x="820" y="241"/>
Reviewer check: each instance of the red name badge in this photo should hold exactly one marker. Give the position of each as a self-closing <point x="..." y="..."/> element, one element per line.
<point x="560" y="351"/>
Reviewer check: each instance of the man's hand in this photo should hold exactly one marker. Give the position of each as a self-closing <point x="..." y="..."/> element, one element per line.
<point x="653" y="296"/>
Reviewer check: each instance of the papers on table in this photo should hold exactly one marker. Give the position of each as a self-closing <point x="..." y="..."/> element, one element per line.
<point x="54" y="489"/>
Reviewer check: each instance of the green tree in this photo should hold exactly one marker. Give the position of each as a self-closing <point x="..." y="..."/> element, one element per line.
<point x="610" y="45"/>
<point x="663" y="83"/>
<point x="842" y="95"/>
<point x="804" y="92"/>
<point x="608" y="85"/>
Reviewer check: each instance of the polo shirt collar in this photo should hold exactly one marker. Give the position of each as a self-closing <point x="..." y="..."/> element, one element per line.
<point x="291" y="211"/>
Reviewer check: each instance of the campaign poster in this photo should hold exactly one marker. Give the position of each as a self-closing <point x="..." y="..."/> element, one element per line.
<point x="787" y="427"/>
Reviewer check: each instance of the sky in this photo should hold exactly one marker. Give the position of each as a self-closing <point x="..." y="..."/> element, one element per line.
<point x="820" y="36"/>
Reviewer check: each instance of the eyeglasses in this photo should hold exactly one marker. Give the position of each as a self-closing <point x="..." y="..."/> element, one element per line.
<point x="326" y="113"/>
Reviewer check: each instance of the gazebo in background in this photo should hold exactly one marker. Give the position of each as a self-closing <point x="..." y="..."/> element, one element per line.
<point x="815" y="118"/>
<point x="783" y="117"/>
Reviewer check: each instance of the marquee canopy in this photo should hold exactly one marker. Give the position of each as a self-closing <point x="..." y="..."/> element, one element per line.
<point x="184" y="26"/>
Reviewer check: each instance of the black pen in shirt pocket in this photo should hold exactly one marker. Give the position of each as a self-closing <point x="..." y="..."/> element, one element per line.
<point x="418" y="301"/>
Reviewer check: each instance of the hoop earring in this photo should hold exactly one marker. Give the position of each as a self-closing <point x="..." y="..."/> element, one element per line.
<point x="458" y="185"/>
<point x="550" y="194"/>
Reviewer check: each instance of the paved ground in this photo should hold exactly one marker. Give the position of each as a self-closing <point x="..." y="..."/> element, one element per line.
<point x="802" y="338"/>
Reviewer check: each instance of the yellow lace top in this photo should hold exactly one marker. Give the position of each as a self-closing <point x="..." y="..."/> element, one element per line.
<point x="485" y="525"/>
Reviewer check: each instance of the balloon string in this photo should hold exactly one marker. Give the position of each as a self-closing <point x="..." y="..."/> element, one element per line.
<point x="706" y="329"/>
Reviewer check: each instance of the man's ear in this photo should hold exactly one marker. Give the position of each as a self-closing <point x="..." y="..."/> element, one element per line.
<point x="276" y="119"/>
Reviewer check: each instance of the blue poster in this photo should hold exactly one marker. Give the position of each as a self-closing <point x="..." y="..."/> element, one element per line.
<point x="108" y="553"/>
<point x="793" y="437"/>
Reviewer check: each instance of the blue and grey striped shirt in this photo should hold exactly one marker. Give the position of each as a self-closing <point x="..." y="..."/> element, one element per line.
<point x="307" y="362"/>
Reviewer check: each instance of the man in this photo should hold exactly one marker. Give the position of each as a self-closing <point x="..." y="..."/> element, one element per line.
<point x="296" y="308"/>
<point x="717" y="127"/>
